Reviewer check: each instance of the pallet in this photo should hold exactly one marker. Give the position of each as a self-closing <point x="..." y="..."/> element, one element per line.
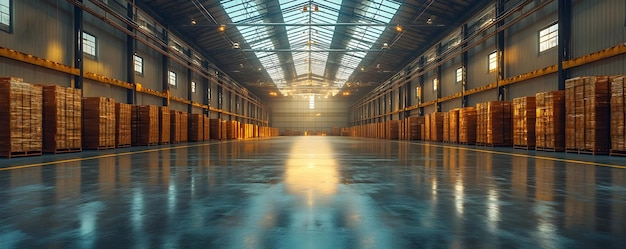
<point x="496" y="145"/>
<point x="523" y="147"/>
<point x="549" y="149"/>
<point x="164" y="143"/>
<point x="100" y="147"/>
<point x="467" y="143"/>
<point x="22" y="154"/>
<point x="148" y="144"/>
<point x="589" y="152"/>
<point x="123" y="146"/>
<point x="617" y="153"/>
<point x="66" y="150"/>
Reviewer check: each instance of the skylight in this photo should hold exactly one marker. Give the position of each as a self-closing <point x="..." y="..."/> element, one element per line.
<point x="364" y="37"/>
<point x="308" y="40"/>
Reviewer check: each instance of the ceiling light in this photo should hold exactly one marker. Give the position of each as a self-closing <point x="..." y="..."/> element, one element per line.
<point x="221" y="28"/>
<point x="193" y="22"/>
<point x="316" y="8"/>
<point x="305" y="9"/>
<point x="235" y="45"/>
<point x="362" y="69"/>
<point x="429" y="21"/>
<point x="385" y="45"/>
<point x="399" y="28"/>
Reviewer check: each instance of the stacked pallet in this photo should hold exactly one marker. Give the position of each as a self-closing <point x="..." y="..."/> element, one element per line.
<point x="454" y="125"/>
<point x="232" y="129"/>
<point x="99" y="123"/>
<point x="215" y="129"/>
<point x="123" y="121"/>
<point x="467" y="125"/>
<point x="224" y="132"/>
<point x="524" y="119"/>
<point x="145" y="125"/>
<point x="414" y="129"/>
<point x="427" y="128"/>
<point x="206" y="135"/>
<point x="184" y="127"/>
<point x="446" y="127"/>
<point x="20" y="118"/>
<point x="618" y="117"/>
<point x="436" y="127"/>
<point x="62" y="111"/>
<point x="402" y="129"/>
<point x="494" y="124"/>
<point x="196" y="124"/>
<point x="164" y="125"/>
<point x="392" y="130"/>
<point x="175" y="126"/>
<point x="550" y="121"/>
<point x="587" y="115"/>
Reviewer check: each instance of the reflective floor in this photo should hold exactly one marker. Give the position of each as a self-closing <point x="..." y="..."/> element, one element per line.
<point x="313" y="192"/>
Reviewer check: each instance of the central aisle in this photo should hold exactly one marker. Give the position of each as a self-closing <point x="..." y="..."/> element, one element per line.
<point x="313" y="192"/>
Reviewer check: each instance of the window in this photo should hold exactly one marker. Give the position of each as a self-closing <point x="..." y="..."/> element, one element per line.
<point x="138" y="64"/>
<point x="549" y="37"/>
<point x="312" y="102"/>
<point x="89" y="44"/>
<point x="435" y="84"/>
<point x="172" y="78"/>
<point x="459" y="74"/>
<point x="418" y="92"/>
<point x="493" y="61"/>
<point x="5" y="15"/>
<point x="193" y="87"/>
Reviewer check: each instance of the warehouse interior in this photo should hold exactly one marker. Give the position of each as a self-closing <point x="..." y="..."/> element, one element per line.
<point x="312" y="124"/>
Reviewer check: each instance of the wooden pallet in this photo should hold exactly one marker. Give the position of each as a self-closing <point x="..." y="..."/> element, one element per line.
<point x="589" y="152"/>
<point x="22" y="154"/>
<point x="549" y="149"/>
<point x="618" y="153"/>
<point x="164" y="143"/>
<point x="66" y="150"/>
<point x="496" y="145"/>
<point x="123" y="146"/>
<point x="100" y="147"/>
<point x="523" y="147"/>
<point x="148" y="144"/>
<point x="466" y="143"/>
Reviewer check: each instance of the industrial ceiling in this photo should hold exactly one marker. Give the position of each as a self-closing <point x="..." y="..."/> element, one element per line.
<point x="305" y="47"/>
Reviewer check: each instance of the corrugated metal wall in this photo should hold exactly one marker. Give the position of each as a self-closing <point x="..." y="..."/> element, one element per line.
<point x="294" y="114"/>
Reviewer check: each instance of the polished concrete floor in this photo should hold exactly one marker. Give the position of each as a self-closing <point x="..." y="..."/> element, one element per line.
<point x="313" y="192"/>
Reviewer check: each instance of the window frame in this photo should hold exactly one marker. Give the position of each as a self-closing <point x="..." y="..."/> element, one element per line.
<point x="95" y="45"/>
<point x="193" y="87"/>
<point x="140" y="65"/>
<point x="311" y="102"/>
<point x="495" y="62"/>
<point x="8" y="27"/>
<point x="435" y="84"/>
<point x="458" y="74"/>
<point x="171" y="74"/>
<point x="549" y="39"/>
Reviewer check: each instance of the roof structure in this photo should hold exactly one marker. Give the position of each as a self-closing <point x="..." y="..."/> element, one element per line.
<point x="313" y="47"/>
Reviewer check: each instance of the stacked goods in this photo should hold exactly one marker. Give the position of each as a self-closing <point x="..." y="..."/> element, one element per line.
<point x="184" y="127"/>
<point x="98" y="123"/>
<point x="122" y="125"/>
<point x="618" y="119"/>
<point x="467" y="125"/>
<point x="175" y="126"/>
<point x="195" y="127"/>
<point x="587" y="109"/>
<point x="499" y="127"/>
<point x="20" y="118"/>
<point x="215" y="127"/>
<point x="454" y="125"/>
<point x="206" y="133"/>
<point x="402" y="129"/>
<point x="392" y="130"/>
<point x="446" y="127"/>
<point x="164" y="125"/>
<point x="62" y="111"/>
<point x="414" y="127"/>
<point x="436" y="127"/>
<point x="550" y="121"/>
<point x="427" y="128"/>
<point x="224" y="132"/>
<point x="524" y="113"/>
<point x="231" y="129"/>
<point x="481" y="123"/>
<point x="145" y="125"/>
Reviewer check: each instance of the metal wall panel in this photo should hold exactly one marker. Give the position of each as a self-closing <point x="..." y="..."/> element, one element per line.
<point x="448" y="82"/>
<point x="449" y="105"/>
<point x="152" y="61"/>
<point x="146" y="99"/>
<point x="97" y="89"/>
<point x="295" y="114"/>
<point x="597" y="25"/>
<point x="531" y="87"/>
<point x="477" y="71"/>
<point x="180" y="90"/>
<point x="33" y="74"/>
<point x="485" y="96"/>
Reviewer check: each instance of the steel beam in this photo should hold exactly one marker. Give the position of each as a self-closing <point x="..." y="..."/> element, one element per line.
<point x="78" y="46"/>
<point x="564" y="33"/>
<point x="130" y="57"/>
<point x="500" y="49"/>
<point x="318" y="25"/>
<point x="332" y="50"/>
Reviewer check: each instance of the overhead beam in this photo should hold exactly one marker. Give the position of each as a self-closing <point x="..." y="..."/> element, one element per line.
<point x="332" y="50"/>
<point x="274" y="24"/>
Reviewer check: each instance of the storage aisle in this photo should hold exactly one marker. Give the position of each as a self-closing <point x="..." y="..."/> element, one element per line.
<point x="314" y="192"/>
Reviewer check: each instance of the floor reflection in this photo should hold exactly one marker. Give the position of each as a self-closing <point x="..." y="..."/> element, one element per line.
<point x="313" y="192"/>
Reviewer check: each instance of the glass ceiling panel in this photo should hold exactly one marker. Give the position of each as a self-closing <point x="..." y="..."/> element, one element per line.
<point x="364" y="37"/>
<point x="311" y="65"/>
<point x="245" y="11"/>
